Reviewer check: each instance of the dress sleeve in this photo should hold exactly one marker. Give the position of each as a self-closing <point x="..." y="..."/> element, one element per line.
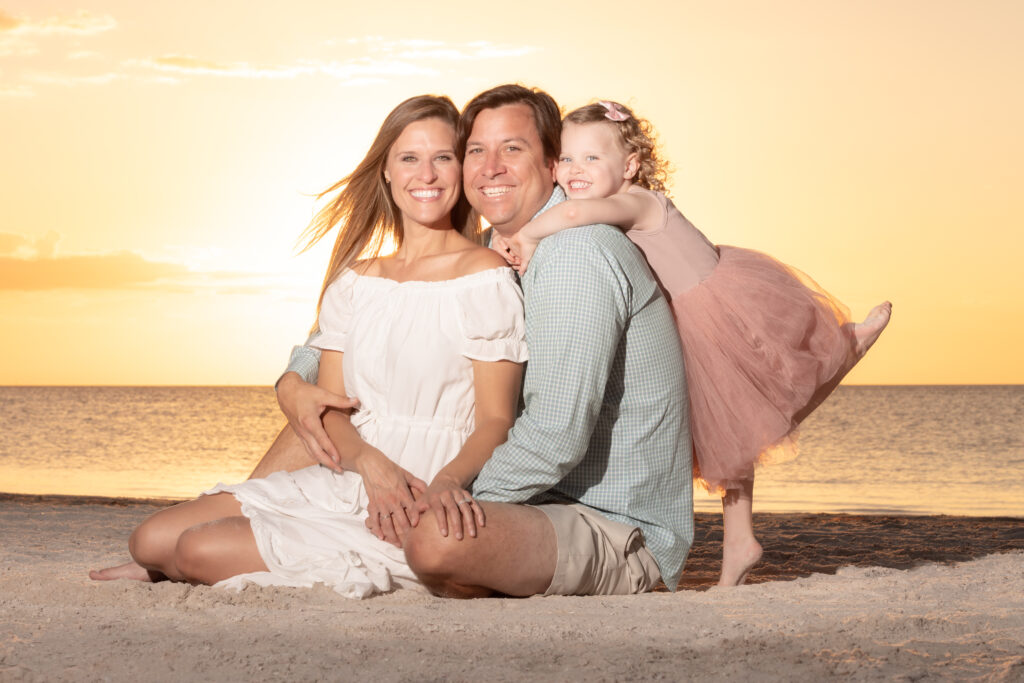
<point x="491" y="319"/>
<point x="335" y="314"/>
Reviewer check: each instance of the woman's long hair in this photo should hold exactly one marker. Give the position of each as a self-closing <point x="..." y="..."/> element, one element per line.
<point x="364" y="210"/>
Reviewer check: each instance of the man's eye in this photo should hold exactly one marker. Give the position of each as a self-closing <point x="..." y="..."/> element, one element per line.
<point x="512" y="148"/>
<point x="473" y="150"/>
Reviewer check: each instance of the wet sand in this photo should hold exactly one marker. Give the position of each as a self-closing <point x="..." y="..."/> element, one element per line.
<point x="864" y="597"/>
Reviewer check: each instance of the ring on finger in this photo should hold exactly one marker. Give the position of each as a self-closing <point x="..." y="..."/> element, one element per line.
<point x="464" y="501"/>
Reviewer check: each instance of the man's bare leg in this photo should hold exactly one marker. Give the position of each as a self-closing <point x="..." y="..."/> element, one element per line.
<point x="514" y="554"/>
<point x="286" y="454"/>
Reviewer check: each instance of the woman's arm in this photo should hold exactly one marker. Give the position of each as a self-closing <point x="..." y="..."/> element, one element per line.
<point x="496" y="386"/>
<point x="626" y="210"/>
<point x="389" y="487"/>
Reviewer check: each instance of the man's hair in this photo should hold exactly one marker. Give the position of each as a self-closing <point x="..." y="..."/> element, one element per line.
<point x="546" y="115"/>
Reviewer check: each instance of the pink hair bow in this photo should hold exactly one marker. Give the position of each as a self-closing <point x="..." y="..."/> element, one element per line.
<point x="615" y="112"/>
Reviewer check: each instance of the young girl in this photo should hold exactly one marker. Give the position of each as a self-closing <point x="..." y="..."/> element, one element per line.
<point x="762" y="343"/>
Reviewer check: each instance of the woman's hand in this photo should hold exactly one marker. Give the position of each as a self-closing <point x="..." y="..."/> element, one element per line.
<point x="392" y="491"/>
<point x="456" y="511"/>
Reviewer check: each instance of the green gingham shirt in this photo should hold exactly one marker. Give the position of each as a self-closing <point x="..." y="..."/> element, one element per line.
<point x="605" y="419"/>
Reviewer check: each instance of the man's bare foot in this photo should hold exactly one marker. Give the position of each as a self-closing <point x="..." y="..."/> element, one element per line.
<point x="868" y="331"/>
<point x="128" y="570"/>
<point x="737" y="560"/>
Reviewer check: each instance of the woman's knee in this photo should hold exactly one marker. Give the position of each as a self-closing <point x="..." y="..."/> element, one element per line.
<point x="151" y="544"/>
<point x="195" y="555"/>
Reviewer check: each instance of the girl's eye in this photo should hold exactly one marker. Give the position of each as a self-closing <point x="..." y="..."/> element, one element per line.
<point x="565" y="160"/>
<point x="591" y="158"/>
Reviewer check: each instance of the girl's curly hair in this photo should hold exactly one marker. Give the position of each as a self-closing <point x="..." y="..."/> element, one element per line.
<point x="637" y="136"/>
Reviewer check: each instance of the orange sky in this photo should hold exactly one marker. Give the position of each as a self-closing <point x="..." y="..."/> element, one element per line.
<point x="157" y="161"/>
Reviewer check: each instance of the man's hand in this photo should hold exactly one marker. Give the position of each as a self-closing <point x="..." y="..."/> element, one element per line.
<point x="304" y="405"/>
<point x="453" y="505"/>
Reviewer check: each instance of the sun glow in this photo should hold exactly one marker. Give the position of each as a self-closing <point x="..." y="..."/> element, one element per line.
<point x="158" y="169"/>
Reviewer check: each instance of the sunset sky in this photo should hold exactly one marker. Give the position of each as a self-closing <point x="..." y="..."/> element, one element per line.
<point x="157" y="160"/>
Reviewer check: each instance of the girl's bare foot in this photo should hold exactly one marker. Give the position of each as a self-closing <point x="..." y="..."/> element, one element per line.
<point x="128" y="570"/>
<point x="737" y="560"/>
<point x="868" y="331"/>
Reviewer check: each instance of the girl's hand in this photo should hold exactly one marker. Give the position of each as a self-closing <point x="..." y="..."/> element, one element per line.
<point x="505" y="248"/>
<point x="456" y="511"/>
<point x="524" y="247"/>
<point x="392" y="491"/>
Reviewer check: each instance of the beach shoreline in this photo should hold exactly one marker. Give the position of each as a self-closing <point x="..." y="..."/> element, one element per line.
<point x="866" y="597"/>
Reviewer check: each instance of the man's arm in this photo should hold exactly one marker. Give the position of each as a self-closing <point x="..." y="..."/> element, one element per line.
<point x="575" y="312"/>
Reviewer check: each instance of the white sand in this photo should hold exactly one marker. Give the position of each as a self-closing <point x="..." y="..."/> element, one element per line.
<point x="940" y="621"/>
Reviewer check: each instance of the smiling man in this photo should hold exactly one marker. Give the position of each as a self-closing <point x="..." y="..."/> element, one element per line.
<point x="592" y="492"/>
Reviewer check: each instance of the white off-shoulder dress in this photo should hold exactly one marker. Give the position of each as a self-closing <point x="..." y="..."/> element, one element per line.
<point x="408" y="350"/>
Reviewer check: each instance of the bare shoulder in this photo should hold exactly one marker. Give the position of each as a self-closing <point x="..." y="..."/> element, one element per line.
<point x="478" y="259"/>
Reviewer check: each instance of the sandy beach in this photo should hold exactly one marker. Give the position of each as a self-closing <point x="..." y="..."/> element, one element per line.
<point x="861" y="597"/>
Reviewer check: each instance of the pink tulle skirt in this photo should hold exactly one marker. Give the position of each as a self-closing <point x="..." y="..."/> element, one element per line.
<point x="763" y="346"/>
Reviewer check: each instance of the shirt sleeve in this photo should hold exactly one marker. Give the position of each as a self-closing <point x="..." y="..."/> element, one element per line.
<point x="336" y="313"/>
<point x="491" y="320"/>
<point x="576" y="308"/>
<point x="304" y="360"/>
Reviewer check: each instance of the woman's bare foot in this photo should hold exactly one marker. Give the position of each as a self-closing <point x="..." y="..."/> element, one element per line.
<point x="128" y="570"/>
<point x="737" y="560"/>
<point x="868" y="331"/>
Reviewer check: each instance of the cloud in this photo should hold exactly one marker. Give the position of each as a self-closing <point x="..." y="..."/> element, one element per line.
<point x="18" y="34"/>
<point x="82" y="23"/>
<point x="12" y="244"/>
<point x="34" y="265"/>
<point x="187" y="64"/>
<point x="104" y="271"/>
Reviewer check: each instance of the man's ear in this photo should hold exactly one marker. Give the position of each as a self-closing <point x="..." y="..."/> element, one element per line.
<point x="552" y="165"/>
<point x="632" y="166"/>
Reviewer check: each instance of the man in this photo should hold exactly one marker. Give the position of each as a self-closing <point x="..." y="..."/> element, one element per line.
<point x="592" y="492"/>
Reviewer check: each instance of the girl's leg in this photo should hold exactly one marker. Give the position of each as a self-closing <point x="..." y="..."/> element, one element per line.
<point x="868" y="331"/>
<point x="153" y="543"/>
<point x="740" y="550"/>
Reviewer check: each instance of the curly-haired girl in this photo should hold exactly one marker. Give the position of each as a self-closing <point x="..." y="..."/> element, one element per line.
<point x="763" y="345"/>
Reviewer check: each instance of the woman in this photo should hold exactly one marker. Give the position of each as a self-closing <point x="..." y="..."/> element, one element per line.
<point x="429" y="339"/>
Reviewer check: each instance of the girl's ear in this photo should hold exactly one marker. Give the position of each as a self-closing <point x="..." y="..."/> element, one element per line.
<point x="632" y="166"/>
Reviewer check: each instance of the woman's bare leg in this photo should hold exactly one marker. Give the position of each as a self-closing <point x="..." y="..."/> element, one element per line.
<point x="286" y="453"/>
<point x="740" y="550"/>
<point x="154" y="542"/>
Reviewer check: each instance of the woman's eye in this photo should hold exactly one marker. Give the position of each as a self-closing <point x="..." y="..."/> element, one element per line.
<point x="408" y="158"/>
<point x="444" y="157"/>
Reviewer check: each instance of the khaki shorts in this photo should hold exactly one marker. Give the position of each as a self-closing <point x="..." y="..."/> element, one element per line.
<point x="597" y="556"/>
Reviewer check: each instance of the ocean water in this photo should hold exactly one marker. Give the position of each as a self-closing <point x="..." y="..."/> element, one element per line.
<point x="955" y="450"/>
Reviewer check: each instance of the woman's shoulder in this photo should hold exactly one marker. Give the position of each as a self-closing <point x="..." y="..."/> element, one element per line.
<point x="477" y="259"/>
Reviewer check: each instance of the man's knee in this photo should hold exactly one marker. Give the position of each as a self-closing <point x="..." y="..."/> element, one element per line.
<point x="436" y="560"/>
